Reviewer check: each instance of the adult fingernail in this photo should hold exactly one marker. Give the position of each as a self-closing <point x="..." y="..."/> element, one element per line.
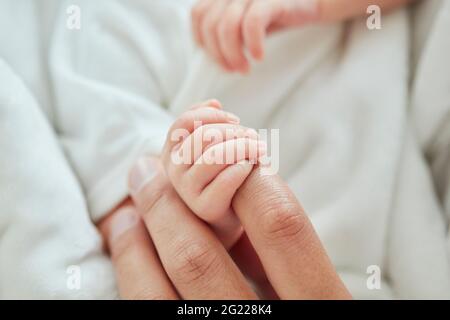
<point x="125" y="219"/>
<point x="142" y="173"/>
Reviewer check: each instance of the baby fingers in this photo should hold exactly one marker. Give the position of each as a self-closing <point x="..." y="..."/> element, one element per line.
<point x="217" y="28"/>
<point x="199" y="12"/>
<point x="191" y="149"/>
<point x="208" y="30"/>
<point x="254" y="27"/>
<point x="220" y="156"/>
<point x="229" y="36"/>
<point x="189" y="121"/>
<point x="217" y="196"/>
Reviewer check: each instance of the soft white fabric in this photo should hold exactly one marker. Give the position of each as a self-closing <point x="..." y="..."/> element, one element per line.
<point x="339" y="95"/>
<point x="430" y="105"/>
<point x="45" y="230"/>
<point x="49" y="247"/>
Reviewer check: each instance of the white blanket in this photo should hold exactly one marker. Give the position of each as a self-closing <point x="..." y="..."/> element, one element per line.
<point x="354" y="132"/>
<point x="46" y="235"/>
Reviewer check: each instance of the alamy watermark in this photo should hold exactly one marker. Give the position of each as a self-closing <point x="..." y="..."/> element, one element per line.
<point x="373" y="22"/>
<point x="73" y="21"/>
<point x="226" y="147"/>
<point x="73" y="281"/>
<point x="374" y="279"/>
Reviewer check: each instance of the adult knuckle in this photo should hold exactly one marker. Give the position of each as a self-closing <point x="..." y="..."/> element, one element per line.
<point x="194" y="260"/>
<point x="280" y="218"/>
<point x="122" y="248"/>
<point x="281" y="222"/>
<point x="160" y="197"/>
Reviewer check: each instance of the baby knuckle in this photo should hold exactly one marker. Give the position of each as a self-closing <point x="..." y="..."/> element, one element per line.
<point x="203" y="209"/>
<point x="235" y="18"/>
<point x="194" y="261"/>
<point x="223" y="30"/>
<point x="189" y="186"/>
<point x="240" y="170"/>
<point x="172" y="168"/>
<point x="202" y="132"/>
<point x="229" y="26"/>
<point x="199" y="9"/>
<point x="253" y="21"/>
<point x="196" y="12"/>
<point x="220" y="115"/>
<point x="213" y="115"/>
<point x="186" y="120"/>
<point x="210" y="24"/>
<point x="121" y="249"/>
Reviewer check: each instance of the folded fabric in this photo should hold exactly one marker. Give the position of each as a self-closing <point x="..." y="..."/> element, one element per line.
<point x="48" y="245"/>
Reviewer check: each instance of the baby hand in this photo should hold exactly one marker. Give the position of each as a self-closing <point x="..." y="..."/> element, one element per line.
<point x="224" y="28"/>
<point x="207" y="157"/>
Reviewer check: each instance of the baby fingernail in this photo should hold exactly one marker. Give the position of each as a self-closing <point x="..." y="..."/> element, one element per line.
<point x="142" y="173"/>
<point x="232" y="118"/>
<point x="252" y="133"/>
<point x="262" y="147"/>
<point x="214" y="103"/>
<point x="123" y="220"/>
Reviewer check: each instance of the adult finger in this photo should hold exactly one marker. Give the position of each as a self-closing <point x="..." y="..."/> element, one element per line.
<point x="193" y="257"/>
<point x="138" y="270"/>
<point x="246" y="258"/>
<point x="293" y="257"/>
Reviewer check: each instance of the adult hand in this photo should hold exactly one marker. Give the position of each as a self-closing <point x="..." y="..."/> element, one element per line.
<point x="166" y="252"/>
